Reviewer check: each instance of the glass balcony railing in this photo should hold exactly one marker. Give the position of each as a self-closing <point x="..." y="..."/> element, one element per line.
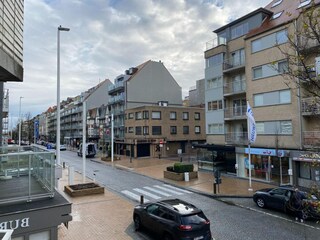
<point x="26" y="173"/>
<point x="215" y="42"/>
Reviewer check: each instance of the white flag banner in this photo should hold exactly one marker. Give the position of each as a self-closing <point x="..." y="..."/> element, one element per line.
<point x="252" y="130"/>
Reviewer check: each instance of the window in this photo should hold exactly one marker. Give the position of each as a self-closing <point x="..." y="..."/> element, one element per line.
<point x="283" y="66"/>
<point x="214" y="82"/>
<point x="239" y="30"/>
<point x="275" y="127"/>
<point x="197" y="116"/>
<point x="276" y="3"/>
<point x="156" y="130"/>
<point x="185" y="129"/>
<point x="272" y="98"/>
<point x="138" y="115"/>
<point x="197" y="130"/>
<point x="173" y="130"/>
<point x="257" y="72"/>
<point x="130" y="129"/>
<point x="304" y="170"/>
<point x="40" y="236"/>
<point x="269" y="41"/>
<point x="145" y="114"/>
<point x="156" y="115"/>
<point x="215" y="128"/>
<point x="215" y="105"/>
<point x="270" y="69"/>
<point x="214" y="60"/>
<point x="173" y="115"/>
<point x="145" y="130"/>
<point x="185" y="116"/>
<point x="304" y="3"/>
<point x="138" y="131"/>
<point x="130" y="115"/>
<point x="277" y="15"/>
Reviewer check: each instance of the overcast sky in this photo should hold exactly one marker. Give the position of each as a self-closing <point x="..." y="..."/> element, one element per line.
<point x="109" y="36"/>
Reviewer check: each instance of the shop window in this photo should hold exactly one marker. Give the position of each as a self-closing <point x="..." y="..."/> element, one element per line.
<point x="304" y="170"/>
<point x="40" y="236"/>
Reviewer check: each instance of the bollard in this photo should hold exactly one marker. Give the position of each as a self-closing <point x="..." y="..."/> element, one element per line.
<point x="214" y="188"/>
<point x="64" y="164"/>
<point x="141" y="199"/>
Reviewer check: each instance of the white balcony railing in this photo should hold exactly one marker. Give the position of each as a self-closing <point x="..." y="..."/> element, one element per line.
<point x="235" y="112"/>
<point x="215" y="42"/>
<point x="234" y="87"/>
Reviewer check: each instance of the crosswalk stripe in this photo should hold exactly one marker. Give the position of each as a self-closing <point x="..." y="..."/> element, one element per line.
<point x="133" y="196"/>
<point x="175" y="188"/>
<point x="158" y="191"/>
<point x="146" y="193"/>
<point x="168" y="190"/>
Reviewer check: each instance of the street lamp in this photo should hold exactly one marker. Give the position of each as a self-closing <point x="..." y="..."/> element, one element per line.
<point x="20" y="122"/>
<point x="58" y="93"/>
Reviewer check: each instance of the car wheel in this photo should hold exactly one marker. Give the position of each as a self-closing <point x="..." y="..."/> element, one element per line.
<point x="137" y="223"/>
<point x="167" y="236"/>
<point x="261" y="203"/>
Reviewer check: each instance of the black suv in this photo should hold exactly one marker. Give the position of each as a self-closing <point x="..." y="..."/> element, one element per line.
<point x="172" y="219"/>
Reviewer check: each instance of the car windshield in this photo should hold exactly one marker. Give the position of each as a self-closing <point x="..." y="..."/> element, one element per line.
<point x="196" y="219"/>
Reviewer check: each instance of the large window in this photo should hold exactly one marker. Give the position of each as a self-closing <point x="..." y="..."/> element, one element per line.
<point x="215" y="105"/>
<point x="239" y="30"/>
<point x="275" y="127"/>
<point x="214" y="60"/>
<point x="156" y="130"/>
<point x="269" y="41"/>
<point x="270" y="69"/>
<point x="304" y="170"/>
<point x="272" y="98"/>
<point x="215" y="128"/>
<point x="214" y="82"/>
<point x="173" y="129"/>
<point x="156" y="115"/>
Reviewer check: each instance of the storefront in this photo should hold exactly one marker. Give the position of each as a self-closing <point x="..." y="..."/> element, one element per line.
<point x="268" y="165"/>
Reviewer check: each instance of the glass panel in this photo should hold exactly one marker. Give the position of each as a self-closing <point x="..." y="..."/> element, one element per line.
<point x="257" y="72"/>
<point x="285" y="96"/>
<point x="40" y="236"/>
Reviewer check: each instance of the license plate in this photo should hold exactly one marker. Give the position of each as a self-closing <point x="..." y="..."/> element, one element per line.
<point x="198" y="238"/>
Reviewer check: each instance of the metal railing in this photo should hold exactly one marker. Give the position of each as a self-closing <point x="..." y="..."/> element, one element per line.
<point x="235" y="87"/>
<point x="26" y="173"/>
<point x="236" y="138"/>
<point x="113" y="87"/>
<point x="310" y="106"/>
<point x="235" y="112"/>
<point x="234" y="62"/>
<point x="215" y="42"/>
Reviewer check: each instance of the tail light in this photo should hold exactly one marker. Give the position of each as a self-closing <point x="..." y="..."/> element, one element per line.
<point x="185" y="227"/>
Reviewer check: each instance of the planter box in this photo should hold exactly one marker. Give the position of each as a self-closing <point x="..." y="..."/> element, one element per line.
<point x="179" y="176"/>
<point x="83" y="189"/>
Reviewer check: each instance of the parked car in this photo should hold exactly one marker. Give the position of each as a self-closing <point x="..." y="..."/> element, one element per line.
<point x="90" y="150"/>
<point x="280" y="198"/>
<point x="172" y="219"/>
<point x="63" y="147"/>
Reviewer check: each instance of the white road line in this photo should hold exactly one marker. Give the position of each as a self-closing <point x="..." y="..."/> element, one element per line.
<point x="158" y="191"/>
<point x="146" y="193"/>
<point x="133" y="196"/>
<point x="168" y="190"/>
<point x="175" y="188"/>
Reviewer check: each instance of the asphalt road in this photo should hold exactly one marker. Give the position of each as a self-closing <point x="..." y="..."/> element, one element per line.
<point x="231" y="218"/>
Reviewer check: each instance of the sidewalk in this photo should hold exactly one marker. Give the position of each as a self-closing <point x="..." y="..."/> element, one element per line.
<point x="109" y="216"/>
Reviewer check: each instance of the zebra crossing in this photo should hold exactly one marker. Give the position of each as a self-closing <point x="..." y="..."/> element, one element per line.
<point x="155" y="192"/>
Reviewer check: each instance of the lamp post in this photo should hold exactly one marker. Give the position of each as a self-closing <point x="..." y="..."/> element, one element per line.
<point x="20" y="122"/>
<point x="58" y="94"/>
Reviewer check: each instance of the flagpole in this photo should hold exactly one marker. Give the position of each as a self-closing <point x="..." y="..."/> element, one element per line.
<point x="249" y="150"/>
<point x="250" y="182"/>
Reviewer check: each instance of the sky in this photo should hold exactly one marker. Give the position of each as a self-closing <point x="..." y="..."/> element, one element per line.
<point x="107" y="37"/>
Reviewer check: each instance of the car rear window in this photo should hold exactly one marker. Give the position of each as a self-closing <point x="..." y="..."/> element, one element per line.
<point x="198" y="218"/>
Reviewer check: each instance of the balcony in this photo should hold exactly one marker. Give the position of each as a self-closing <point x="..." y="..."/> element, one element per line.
<point x="311" y="139"/>
<point x="235" y="113"/>
<point x="237" y="138"/>
<point x="235" y="87"/>
<point x="215" y="43"/>
<point x="307" y="44"/>
<point x="116" y="99"/>
<point x="26" y="173"/>
<point x="119" y="86"/>
<point x="310" y="106"/>
<point x="235" y="63"/>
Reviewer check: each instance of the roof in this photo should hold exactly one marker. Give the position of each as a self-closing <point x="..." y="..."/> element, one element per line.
<point x="290" y="12"/>
<point x="180" y="206"/>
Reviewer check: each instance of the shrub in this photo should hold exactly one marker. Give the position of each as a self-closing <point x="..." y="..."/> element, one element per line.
<point x="181" y="167"/>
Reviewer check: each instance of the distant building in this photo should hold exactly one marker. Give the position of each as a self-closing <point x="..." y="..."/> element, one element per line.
<point x="197" y="94"/>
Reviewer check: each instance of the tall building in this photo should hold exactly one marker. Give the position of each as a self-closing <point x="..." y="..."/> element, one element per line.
<point x="245" y="63"/>
<point x="145" y="85"/>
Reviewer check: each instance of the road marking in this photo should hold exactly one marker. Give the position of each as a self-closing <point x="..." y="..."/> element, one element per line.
<point x="168" y="190"/>
<point x="158" y="191"/>
<point x="175" y="188"/>
<point x="133" y="196"/>
<point x="146" y="193"/>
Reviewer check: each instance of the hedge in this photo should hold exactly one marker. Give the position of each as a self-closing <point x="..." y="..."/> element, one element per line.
<point x="182" y="167"/>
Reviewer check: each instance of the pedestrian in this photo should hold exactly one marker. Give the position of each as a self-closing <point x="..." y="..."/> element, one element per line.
<point x="296" y="204"/>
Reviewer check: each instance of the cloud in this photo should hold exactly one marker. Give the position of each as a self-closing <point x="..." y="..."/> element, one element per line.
<point x="109" y="36"/>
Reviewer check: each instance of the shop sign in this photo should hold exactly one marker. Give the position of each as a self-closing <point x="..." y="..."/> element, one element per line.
<point x="310" y="156"/>
<point x="266" y="152"/>
<point x="14" y="224"/>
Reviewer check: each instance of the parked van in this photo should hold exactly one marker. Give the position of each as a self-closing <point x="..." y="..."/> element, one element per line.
<point x="90" y="150"/>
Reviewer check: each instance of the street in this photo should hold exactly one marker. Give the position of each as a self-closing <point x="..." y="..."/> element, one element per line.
<point x="231" y="218"/>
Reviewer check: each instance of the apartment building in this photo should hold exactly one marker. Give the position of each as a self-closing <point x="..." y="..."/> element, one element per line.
<point x="162" y="131"/>
<point x="197" y="94"/>
<point x="245" y="64"/>
<point x="145" y="85"/>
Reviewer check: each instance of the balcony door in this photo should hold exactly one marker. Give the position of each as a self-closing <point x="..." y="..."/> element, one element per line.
<point x="239" y="107"/>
